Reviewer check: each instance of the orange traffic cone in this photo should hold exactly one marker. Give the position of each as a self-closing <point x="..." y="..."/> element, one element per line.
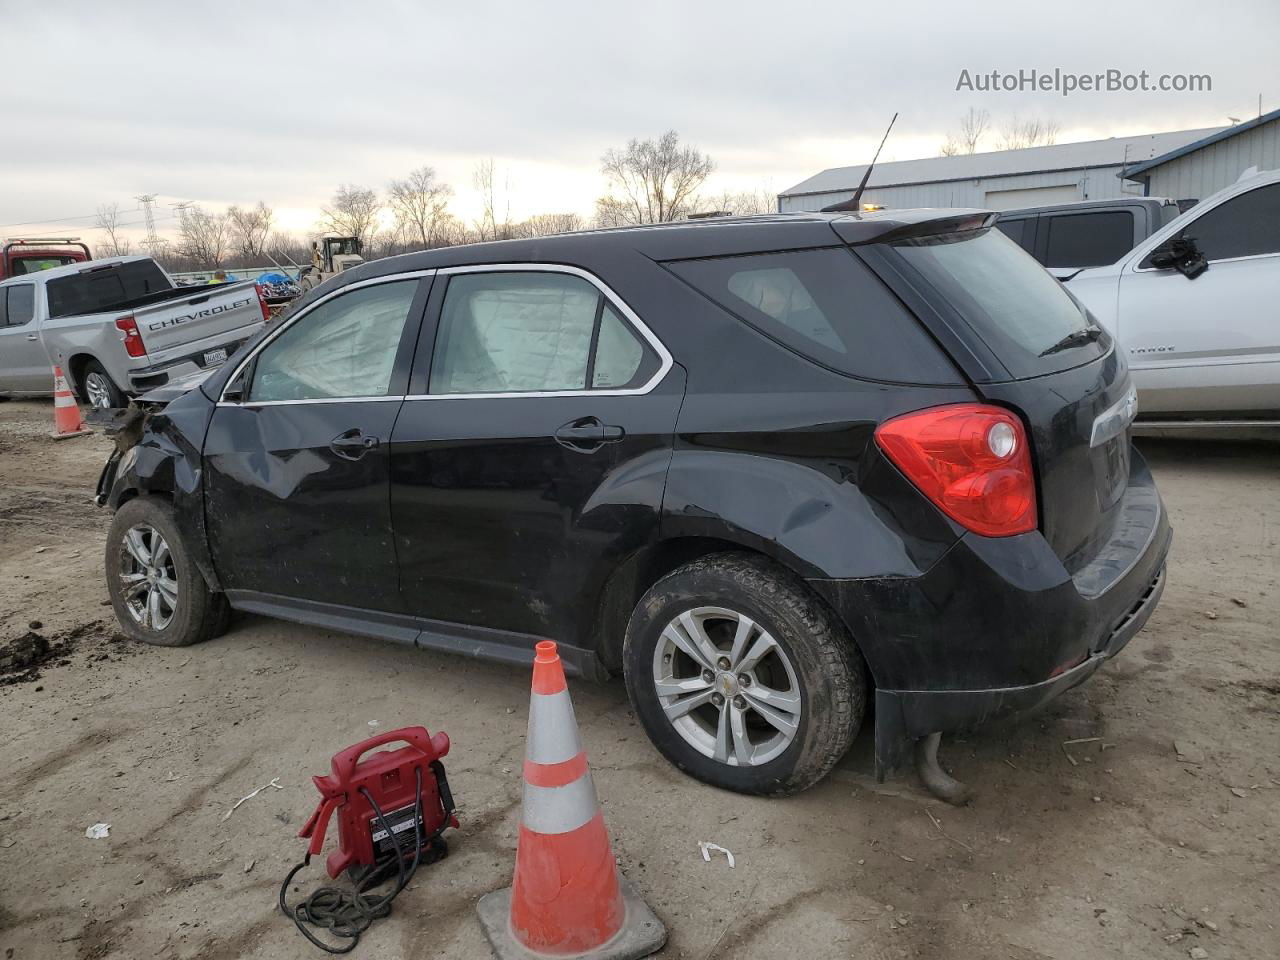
<point x="567" y="897"/>
<point x="66" y="414"/>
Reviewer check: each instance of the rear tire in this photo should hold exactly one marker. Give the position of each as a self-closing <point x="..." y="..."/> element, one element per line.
<point x="782" y="720"/>
<point x="158" y="594"/>
<point x="97" y="389"/>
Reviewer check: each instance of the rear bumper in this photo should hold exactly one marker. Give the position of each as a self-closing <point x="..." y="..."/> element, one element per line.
<point x="142" y="379"/>
<point x="921" y="712"/>
<point x="999" y="627"/>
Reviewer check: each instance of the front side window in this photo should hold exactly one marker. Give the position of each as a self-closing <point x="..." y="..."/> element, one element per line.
<point x="1088" y="239"/>
<point x="533" y="332"/>
<point x="345" y="347"/>
<point x="20" y="304"/>
<point x="1247" y="225"/>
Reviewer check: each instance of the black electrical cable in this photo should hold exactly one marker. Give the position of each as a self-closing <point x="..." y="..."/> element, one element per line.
<point x="347" y="913"/>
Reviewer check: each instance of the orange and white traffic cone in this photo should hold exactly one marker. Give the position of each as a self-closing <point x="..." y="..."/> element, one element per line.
<point x="567" y="897"/>
<point x="66" y="413"/>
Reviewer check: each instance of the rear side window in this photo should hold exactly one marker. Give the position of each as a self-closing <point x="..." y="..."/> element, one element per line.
<point x="1016" y="307"/>
<point x="1088" y="239"/>
<point x="1021" y="231"/>
<point x="20" y="304"/>
<point x="825" y="305"/>
<point x="534" y="332"/>
<point x="100" y="289"/>
<point x="1245" y="226"/>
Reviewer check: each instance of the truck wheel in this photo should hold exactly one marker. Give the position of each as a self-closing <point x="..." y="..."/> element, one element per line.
<point x="741" y="677"/>
<point x="98" y="389"/>
<point x="158" y="594"/>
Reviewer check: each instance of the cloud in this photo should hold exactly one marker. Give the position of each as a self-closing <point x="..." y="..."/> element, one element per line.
<point x="236" y="102"/>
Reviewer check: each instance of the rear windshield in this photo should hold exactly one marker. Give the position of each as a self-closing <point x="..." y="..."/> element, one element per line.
<point x="23" y="265"/>
<point x="1023" y="315"/>
<point x="105" y="288"/>
<point x="826" y="305"/>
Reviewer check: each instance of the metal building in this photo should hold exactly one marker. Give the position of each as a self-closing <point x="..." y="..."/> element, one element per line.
<point x="1205" y="166"/>
<point x="1001" y="180"/>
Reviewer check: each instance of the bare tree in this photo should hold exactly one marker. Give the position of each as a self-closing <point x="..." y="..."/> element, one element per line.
<point x="287" y="249"/>
<point x="353" y="212"/>
<point x="741" y="203"/>
<point x="611" y="212"/>
<point x="546" y="224"/>
<point x="249" y="228"/>
<point x="495" y="220"/>
<point x="973" y="126"/>
<point x="202" y="236"/>
<point x="1020" y="134"/>
<point x="108" y="221"/>
<point x="420" y="203"/>
<point x="657" y="180"/>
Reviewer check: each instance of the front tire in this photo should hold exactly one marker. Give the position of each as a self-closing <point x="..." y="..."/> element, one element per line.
<point x="742" y="677"/>
<point x="158" y="594"/>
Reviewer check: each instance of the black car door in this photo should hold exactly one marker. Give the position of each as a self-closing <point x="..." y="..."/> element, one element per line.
<point x="296" y="456"/>
<point x="532" y="451"/>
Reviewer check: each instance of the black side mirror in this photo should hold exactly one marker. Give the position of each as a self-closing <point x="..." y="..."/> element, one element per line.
<point x="1180" y="253"/>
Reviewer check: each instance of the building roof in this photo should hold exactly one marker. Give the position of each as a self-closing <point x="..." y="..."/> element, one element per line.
<point x="1223" y="133"/>
<point x="1112" y="152"/>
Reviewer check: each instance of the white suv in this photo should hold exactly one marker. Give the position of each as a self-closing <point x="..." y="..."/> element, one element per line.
<point x="1197" y="308"/>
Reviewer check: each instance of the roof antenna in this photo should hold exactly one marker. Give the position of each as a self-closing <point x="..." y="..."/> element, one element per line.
<point x="852" y="202"/>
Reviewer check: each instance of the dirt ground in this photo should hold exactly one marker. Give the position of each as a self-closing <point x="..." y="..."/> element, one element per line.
<point x="1112" y="846"/>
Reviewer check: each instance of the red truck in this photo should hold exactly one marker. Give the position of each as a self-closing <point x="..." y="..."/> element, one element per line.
<point x="21" y="256"/>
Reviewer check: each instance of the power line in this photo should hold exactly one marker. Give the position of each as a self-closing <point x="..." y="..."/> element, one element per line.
<point x="86" y="216"/>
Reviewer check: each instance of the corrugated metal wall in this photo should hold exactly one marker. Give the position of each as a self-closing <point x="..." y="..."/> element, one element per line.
<point x="1097" y="183"/>
<point x="1209" y="169"/>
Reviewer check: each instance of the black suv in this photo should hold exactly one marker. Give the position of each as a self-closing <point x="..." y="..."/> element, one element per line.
<point x="763" y="467"/>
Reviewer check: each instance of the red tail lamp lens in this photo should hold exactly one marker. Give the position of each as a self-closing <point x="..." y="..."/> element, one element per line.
<point x="972" y="460"/>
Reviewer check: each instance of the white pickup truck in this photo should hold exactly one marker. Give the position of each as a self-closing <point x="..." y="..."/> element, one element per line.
<point x="1197" y="307"/>
<point x="117" y="328"/>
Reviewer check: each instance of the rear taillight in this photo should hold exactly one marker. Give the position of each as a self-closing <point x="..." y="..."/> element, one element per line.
<point x="262" y="303"/>
<point x="971" y="460"/>
<point x="132" y="338"/>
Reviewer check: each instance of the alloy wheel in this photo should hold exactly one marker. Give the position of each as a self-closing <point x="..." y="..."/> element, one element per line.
<point x="727" y="686"/>
<point x="98" y="390"/>
<point x="148" y="578"/>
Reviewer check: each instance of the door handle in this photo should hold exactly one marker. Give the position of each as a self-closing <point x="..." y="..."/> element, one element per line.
<point x="33" y="336"/>
<point x="588" y="434"/>
<point x="352" y="444"/>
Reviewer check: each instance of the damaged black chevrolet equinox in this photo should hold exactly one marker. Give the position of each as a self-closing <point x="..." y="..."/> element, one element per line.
<point x="765" y="468"/>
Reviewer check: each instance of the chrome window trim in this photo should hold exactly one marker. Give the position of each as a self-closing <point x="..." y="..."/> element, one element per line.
<point x="615" y="301"/>
<point x="372" y="281"/>
<point x="620" y="305"/>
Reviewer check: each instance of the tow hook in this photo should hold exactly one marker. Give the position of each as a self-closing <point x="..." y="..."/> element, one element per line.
<point x="940" y="783"/>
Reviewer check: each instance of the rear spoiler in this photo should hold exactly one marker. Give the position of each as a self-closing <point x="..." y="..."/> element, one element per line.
<point x="917" y="224"/>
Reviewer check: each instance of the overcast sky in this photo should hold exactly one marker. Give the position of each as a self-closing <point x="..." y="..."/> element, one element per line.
<point x="223" y="103"/>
